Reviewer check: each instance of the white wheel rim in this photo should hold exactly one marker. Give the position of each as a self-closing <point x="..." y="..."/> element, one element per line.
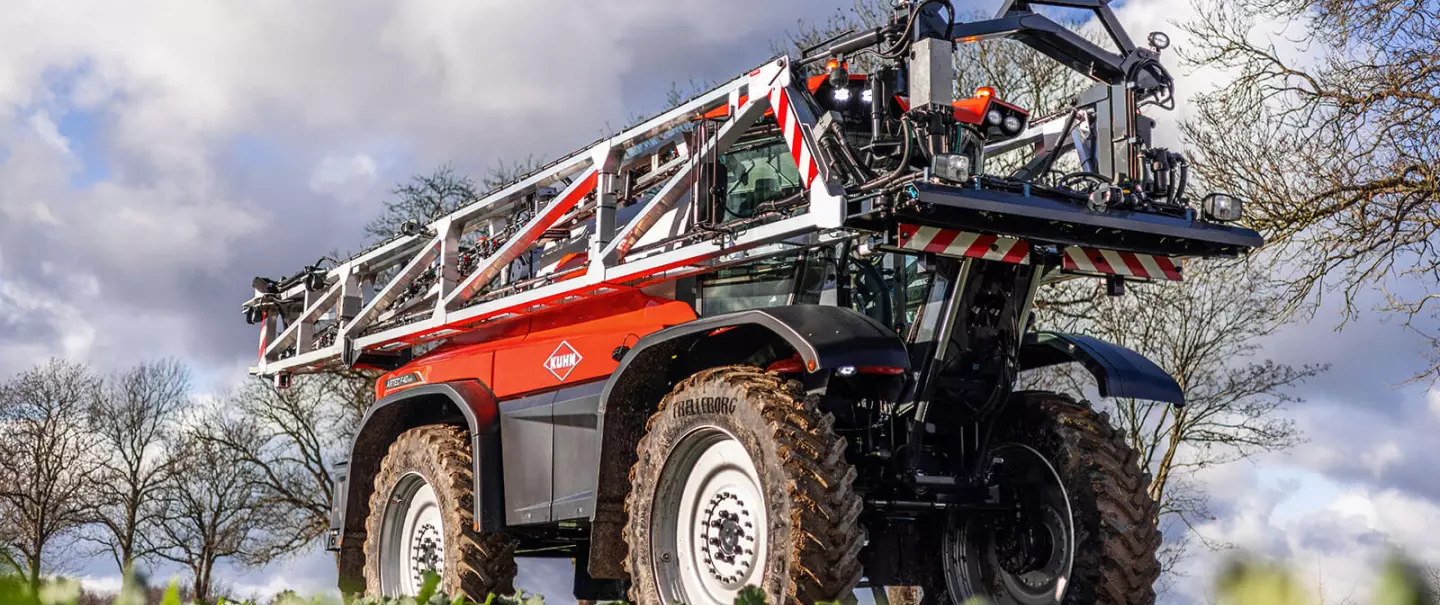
<point x="412" y="539"/>
<point x="708" y="529"/>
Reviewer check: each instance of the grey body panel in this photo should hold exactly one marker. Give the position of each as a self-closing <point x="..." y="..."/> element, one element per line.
<point x="577" y="450"/>
<point x="527" y="445"/>
<point x="1119" y="372"/>
<point x="551" y="445"/>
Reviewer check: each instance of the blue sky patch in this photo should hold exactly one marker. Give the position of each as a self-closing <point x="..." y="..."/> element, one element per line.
<point x="79" y="128"/>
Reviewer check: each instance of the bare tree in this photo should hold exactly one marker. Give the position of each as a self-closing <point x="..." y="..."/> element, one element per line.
<point x="503" y="173"/>
<point x="134" y="418"/>
<point x="213" y="510"/>
<point x="1205" y="332"/>
<point x="291" y="438"/>
<point x="46" y="459"/>
<point x="1336" y="151"/>
<point x="8" y="563"/>
<point x="427" y="197"/>
<point x="424" y="198"/>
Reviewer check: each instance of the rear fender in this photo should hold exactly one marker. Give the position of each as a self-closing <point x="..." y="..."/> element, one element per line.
<point x="464" y="401"/>
<point x="826" y="338"/>
<point x="1119" y="372"/>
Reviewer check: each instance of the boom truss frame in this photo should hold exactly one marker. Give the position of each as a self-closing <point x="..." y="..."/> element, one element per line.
<point x="644" y="251"/>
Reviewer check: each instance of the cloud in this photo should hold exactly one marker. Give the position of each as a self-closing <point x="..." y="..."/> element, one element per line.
<point x="344" y="177"/>
<point x="244" y="139"/>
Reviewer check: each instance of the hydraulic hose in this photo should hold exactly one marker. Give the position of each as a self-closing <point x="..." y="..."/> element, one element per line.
<point x="1180" y="182"/>
<point x="899" y="169"/>
<point x="860" y="169"/>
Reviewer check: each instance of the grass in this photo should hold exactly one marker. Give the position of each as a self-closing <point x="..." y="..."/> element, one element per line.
<point x="1242" y="582"/>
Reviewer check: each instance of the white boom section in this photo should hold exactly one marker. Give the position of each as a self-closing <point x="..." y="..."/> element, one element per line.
<point x="448" y="277"/>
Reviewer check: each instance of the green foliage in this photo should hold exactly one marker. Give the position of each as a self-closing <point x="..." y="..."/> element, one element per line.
<point x="1242" y="582"/>
<point x="1255" y="583"/>
<point x="428" y="586"/>
<point x="751" y="595"/>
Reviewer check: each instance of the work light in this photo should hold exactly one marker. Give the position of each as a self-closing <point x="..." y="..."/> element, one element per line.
<point x="950" y="166"/>
<point x="1222" y="207"/>
<point x="1012" y="124"/>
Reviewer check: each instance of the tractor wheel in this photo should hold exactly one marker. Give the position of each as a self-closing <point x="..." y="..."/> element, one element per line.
<point x="422" y="519"/>
<point x="1086" y="534"/>
<point x="741" y="481"/>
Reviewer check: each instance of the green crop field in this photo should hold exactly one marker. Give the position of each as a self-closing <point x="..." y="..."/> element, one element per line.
<point x="1243" y="582"/>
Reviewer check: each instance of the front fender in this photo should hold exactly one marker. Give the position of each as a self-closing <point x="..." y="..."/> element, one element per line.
<point x="1119" y="372"/>
<point x="825" y="337"/>
<point x="465" y="402"/>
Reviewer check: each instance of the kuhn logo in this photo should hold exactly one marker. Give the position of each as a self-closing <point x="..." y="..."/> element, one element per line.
<point x="563" y="361"/>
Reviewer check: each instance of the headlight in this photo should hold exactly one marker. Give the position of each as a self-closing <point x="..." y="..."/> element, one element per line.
<point x="1222" y="207"/>
<point x="950" y="166"/>
<point x="865" y="96"/>
<point x="1012" y="124"/>
<point x="993" y="117"/>
<point x="842" y="95"/>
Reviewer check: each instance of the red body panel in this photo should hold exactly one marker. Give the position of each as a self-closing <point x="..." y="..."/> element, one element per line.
<point x="969" y="111"/>
<point x="511" y="358"/>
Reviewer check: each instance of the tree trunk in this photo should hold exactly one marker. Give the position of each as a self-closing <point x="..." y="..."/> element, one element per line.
<point x="202" y="583"/>
<point x="34" y="576"/>
<point x="1162" y="474"/>
<point x="127" y="541"/>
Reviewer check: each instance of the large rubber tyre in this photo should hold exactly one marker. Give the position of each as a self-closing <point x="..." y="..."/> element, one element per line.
<point x="427" y="472"/>
<point x="1115" y="535"/>
<point x="788" y="452"/>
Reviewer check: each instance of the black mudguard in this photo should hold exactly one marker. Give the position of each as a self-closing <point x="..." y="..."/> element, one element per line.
<point x="1119" y="372"/>
<point x="826" y="338"/>
<point x="466" y="400"/>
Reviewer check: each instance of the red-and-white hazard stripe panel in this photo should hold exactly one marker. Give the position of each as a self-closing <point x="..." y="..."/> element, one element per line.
<point x="804" y="160"/>
<point x="951" y="242"/>
<point x="1128" y="264"/>
<point x="1077" y="259"/>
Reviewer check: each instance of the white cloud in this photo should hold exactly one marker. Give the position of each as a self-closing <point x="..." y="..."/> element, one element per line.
<point x="41" y="123"/>
<point x="101" y="584"/>
<point x="63" y="330"/>
<point x="344" y="177"/>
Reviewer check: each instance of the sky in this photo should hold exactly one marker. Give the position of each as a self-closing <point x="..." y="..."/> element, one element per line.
<point x="157" y="154"/>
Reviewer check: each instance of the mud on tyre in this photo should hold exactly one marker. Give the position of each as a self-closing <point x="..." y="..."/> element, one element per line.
<point x="1114" y="535"/>
<point x="422" y="517"/>
<point x="741" y="480"/>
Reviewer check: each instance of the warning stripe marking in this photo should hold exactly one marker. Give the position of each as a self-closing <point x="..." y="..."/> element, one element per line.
<point x="799" y="151"/>
<point x="1127" y="264"/>
<point x="953" y="242"/>
<point x="1077" y="259"/>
